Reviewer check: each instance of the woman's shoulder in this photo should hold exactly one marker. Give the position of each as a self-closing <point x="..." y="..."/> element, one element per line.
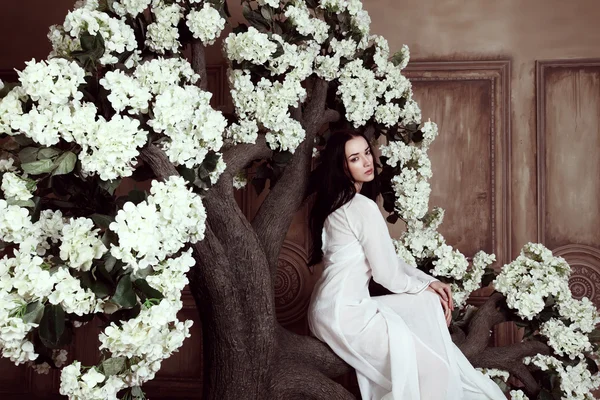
<point x="361" y="204"/>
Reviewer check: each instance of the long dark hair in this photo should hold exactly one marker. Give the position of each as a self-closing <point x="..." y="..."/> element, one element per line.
<point x="334" y="186"/>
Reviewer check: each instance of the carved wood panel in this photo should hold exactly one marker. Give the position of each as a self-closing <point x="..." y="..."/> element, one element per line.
<point x="568" y="141"/>
<point x="471" y="156"/>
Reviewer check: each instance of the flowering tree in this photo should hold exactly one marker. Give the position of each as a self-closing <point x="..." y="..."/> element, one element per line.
<point x="116" y="99"/>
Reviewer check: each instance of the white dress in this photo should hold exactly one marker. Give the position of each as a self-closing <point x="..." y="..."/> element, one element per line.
<point x="398" y="344"/>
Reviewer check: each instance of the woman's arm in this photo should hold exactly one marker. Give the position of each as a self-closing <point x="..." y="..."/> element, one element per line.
<point x="370" y="229"/>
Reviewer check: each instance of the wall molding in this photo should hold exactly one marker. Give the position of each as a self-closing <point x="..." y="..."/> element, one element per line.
<point x="498" y="74"/>
<point x="541" y="68"/>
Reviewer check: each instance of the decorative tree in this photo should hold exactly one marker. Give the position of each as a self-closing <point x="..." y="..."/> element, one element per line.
<point x="116" y="99"/>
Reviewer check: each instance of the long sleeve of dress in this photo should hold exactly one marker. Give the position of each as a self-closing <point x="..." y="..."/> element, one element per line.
<point x="368" y="225"/>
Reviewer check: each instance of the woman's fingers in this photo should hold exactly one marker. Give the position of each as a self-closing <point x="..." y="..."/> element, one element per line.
<point x="449" y="294"/>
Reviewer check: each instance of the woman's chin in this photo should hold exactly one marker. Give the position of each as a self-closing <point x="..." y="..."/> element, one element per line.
<point x="368" y="178"/>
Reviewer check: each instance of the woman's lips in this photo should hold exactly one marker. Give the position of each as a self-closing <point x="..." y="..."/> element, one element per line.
<point x="369" y="171"/>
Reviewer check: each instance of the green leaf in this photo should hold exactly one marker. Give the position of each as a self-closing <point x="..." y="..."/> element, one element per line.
<point x="124" y="295"/>
<point x="256" y="19"/>
<point x="100" y="289"/>
<point x="545" y="395"/>
<point x="109" y="237"/>
<point x="592" y="366"/>
<point x="52" y="326"/>
<point x="38" y="167"/>
<point x="65" y="163"/>
<point x="148" y="291"/>
<point x="187" y="173"/>
<point x="210" y="161"/>
<point x="48" y="152"/>
<point x="34" y="312"/>
<point x="22" y="140"/>
<point x="266" y="12"/>
<point x="110" y="186"/>
<point x="137" y="196"/>
<point x="28" y="154"/>
<point x="93" y="45"/>
<point x="113" y="366"/>
<point x="137" y="391"/>
<point x="20" y="203"/>
<point x="101" y="220"/>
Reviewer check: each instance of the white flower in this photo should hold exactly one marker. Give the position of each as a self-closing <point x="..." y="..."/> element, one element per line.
<point x="55" y="81"/>
<point x="246" y="131"/>
<point x="300" y="17"/>
<point x="387" y="114"/>
<point x="492" y="373"/>
<point x="430" y="132"/>
<point x="110" y="147"/>
<point x="184" y="115"/>
<point x="15" y="223"/>
<point x="117" y="35"/>
<point x="11" y="108"/>
<point x="531" y="278"/>
<point x="126" y="92"/>
<point x="205" y="24"/>
<point x="69" y="294"/>
<point x="336" y="6"/>
<point x="17" y="188"/>
<point x="358" y="91"/>
<point x="240" y="180"/>
<point x="131" y="7"/>
<point x="518" y="395"/>
<point x="219" y="169"/>
<point x="158" y="227"/>
<point x="327" y="67"/>
<point x="162" y="34"/>
<point x="251" y="46"/>
<point x="80" y="244"/>
<point x="565" y="340"/>
<point x="6" y="165"/>
<point x="272" y="3"/>
<point x="159" y="74"/>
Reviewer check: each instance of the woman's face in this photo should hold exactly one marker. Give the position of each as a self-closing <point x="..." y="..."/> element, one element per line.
<point x="359" y="160"/>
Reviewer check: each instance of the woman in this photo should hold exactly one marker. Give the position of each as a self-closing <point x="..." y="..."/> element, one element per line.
<point x="398" y="344"/>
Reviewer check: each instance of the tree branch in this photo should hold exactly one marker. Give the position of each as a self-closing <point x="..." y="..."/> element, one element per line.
<point x="199" y="63"/>
<point x="294" y="382"/>
<point x="311" y="352"/>
<point x="238" y="156"/>
<point x="275" y="214"/>
<point x="509" y="358"/>
<point x="330" y="116"/>
<point x="158" y="161"/>
<point x="480" y="326"/>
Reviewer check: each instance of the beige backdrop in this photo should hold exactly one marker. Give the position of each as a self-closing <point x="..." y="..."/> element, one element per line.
<point x="514" y="86"/>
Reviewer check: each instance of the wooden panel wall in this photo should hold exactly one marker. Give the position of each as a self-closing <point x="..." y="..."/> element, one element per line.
<point x="568" y="134"/>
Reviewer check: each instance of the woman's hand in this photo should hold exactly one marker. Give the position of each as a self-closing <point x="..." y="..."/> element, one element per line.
<point x="444" y="291"/>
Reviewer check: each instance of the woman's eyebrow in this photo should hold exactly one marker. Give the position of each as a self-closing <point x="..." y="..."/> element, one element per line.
<point x="355" y="154"/>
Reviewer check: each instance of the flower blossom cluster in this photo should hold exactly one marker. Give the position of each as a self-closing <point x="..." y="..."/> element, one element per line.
<point x="163" y="35"/>
<point x="185" y="116"/>
<point x="268" y="104"/>
<point x="205" y="24"/>
<point x="108" y="148"/>
<point x="154" y="229"/>
<point x="299" y="15"/>
<point x="533" y="276"/>
<point x="576" y="382"/>
<point x="118" y="36"/>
